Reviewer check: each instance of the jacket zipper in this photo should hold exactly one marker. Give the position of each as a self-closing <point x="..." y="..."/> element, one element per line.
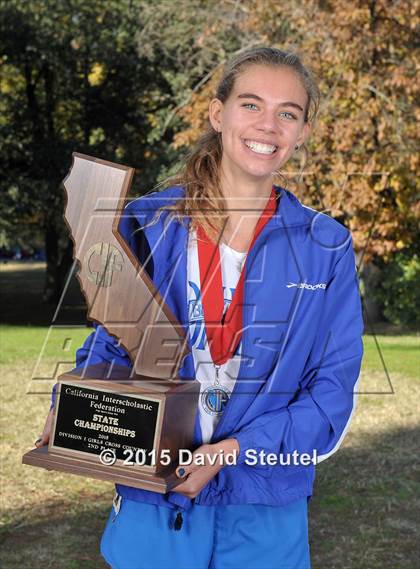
<point x="116" y="504"/>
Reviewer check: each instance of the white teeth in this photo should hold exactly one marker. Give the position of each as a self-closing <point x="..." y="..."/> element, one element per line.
<point x="260" y="148"/>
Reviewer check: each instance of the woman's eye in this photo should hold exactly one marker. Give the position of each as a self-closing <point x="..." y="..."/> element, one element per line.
<point x="253" y="105"/>
<point x="290" y="114"/>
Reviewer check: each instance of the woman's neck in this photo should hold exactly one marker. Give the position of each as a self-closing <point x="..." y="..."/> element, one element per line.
<point x="245" y="201"/>
<point x="245" y="193"/>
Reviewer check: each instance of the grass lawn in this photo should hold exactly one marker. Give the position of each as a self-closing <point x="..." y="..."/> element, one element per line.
<point x="400" y="354"/>
<point x="362" y="515"/>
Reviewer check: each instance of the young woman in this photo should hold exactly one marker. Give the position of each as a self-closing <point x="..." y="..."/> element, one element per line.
<point x="267" y="291"/>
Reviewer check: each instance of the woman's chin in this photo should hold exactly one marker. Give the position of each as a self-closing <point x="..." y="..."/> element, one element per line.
<point x="259" y="173"/>
<point x="263" y="169"/>
<point x="252" y="170"/>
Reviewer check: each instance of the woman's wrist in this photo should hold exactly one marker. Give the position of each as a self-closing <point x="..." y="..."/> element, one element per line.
<point x="228" y="446"/>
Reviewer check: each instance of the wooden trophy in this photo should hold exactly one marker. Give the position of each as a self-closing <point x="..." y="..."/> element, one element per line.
<point x="118" y="423"/>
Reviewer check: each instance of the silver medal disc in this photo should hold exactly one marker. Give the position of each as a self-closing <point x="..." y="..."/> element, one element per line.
<point x="214" y="399"/>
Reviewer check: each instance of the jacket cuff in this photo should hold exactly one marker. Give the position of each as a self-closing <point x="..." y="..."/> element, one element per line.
<point x="245" y="443"/>
<point x="53" y="396"/>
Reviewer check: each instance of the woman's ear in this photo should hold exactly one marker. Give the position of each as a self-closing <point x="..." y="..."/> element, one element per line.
<point x="304" y="135"/>
<point x="215" y="114"/>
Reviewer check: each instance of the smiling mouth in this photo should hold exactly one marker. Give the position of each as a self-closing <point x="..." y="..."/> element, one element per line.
<point x="260" y="147"/>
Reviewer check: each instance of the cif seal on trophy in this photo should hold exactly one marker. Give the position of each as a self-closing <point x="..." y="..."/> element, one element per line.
<point x="113" y="422"/>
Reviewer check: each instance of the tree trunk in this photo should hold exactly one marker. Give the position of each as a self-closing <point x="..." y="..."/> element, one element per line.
<point x="51" y="292"/>
<point x="369" y="275"/>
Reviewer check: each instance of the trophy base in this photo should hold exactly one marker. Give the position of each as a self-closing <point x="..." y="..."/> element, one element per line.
<point x="161" y="482"/>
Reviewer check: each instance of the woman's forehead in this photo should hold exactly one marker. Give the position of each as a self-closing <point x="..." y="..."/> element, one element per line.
<point x="271" y="83"/>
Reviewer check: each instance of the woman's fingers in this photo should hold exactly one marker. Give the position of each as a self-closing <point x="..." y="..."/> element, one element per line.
<point x="180" y="472"/>
<point x="41" y="441"/>
<point x="191" y="485"/>
<point x="45" y="437"/>
<point x="184" y="470"/>
<point x="207" y="455"/>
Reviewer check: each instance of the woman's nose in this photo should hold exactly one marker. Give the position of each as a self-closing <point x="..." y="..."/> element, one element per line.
<point x="268" y="122"/>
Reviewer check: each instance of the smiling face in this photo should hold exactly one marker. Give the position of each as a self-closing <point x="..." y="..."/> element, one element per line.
<point x="261" y="122"/>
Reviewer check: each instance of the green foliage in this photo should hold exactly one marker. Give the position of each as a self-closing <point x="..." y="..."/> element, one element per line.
<point x="72" y="79"/>
<point x="397" y="290"/>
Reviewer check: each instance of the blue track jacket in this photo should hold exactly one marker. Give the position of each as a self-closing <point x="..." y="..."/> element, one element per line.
<point x="302" y="345"/>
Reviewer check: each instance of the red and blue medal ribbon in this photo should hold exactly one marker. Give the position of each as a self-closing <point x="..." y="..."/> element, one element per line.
<point x="224" y="332"/>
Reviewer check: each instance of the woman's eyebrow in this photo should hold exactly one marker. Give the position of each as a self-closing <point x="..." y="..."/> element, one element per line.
<point x="258" y="98"/>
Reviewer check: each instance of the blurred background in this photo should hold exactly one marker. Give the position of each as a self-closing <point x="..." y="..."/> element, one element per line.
<point x="129" y="81"/>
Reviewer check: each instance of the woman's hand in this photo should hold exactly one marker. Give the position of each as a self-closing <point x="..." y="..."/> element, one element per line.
<point x="45" y="437"/>
<point x="197" y="475"/>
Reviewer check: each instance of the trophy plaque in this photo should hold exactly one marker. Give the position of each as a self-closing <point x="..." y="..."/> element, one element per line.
<point x="111" y="422"/>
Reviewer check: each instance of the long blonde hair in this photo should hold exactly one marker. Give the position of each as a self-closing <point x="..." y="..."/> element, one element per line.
<point x="199" y="171"/>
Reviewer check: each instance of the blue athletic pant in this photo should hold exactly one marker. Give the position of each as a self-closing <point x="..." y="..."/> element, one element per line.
<point x="142" y="536"/>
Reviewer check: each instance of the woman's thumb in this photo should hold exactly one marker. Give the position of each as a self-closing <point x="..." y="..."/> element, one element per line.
<point x="42" y="440"/>
<point x="45" y="437"/>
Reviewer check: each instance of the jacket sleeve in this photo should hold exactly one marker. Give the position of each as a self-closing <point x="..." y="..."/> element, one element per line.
<point x="317" y="418"/>
<point x="100" y="346"/>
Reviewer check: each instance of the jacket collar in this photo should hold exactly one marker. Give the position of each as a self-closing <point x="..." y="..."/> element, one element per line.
<point x="290" y="211"/>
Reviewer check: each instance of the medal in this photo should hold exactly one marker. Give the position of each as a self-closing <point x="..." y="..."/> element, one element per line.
<point x="215" y="398"/>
